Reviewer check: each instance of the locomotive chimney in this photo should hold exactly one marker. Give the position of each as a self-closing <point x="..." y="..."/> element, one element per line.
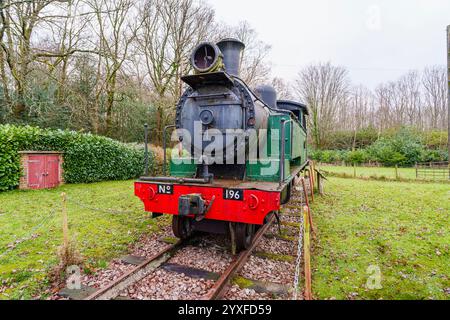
<point x="232" y="52"/>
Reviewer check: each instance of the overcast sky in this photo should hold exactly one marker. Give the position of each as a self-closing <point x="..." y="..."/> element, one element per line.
<point x="376" y="40"/>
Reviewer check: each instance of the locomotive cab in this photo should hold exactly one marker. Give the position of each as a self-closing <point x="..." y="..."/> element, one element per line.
<point x="300" y="110"/>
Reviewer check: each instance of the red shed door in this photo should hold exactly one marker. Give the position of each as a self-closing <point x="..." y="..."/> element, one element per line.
<point x="36" y="172"/>
<point x="52" y="172"/>
<point x="43" y="171"/>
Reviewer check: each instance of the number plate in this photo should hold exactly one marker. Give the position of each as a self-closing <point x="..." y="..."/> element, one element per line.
<point x="165" y="189"/>
<point x="233" y="194"/>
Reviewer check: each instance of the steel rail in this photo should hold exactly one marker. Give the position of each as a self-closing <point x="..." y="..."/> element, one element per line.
<point x="217" y="291"/>
<point x="112" y="290"/>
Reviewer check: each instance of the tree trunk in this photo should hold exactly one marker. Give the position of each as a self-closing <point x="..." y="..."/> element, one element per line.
<point x="4" y="79"/>
<point x="111" y="93"/>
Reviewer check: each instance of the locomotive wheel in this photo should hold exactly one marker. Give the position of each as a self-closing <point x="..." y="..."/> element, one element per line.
<point x="244" y="235"/>
<point x="181" y="227"/>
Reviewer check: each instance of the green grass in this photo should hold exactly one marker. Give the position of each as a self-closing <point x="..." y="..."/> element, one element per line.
<point x="367" y="172"/>
<point x="402" y="228"/>
<point x="100" y="234"/>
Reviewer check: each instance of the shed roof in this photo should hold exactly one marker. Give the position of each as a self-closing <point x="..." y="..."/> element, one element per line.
<point x="41" y="152"/>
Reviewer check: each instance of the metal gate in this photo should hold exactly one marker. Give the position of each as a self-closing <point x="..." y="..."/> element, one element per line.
<point x="433" y="171"/>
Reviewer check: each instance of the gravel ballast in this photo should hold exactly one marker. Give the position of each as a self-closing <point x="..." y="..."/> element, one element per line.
<point x="164" y="285"/>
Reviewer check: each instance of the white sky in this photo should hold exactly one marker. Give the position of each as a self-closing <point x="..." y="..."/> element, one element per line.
<point x="376" y="40"/>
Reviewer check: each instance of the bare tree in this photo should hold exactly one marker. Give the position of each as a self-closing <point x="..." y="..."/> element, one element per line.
<point x="170" y="30"/>
<point x="434" y="81"/>
<point x="283" y="88"/>
<point x="407" y="97"/>
<point x="88" y="61"/>
<point x="35" y="33"/>
<point x="360" y="113"/>
<point x="116" y="26"/>
<point x="70" y="36"/>
<point x="324" y="88"/>
<point x="18" y="22"/>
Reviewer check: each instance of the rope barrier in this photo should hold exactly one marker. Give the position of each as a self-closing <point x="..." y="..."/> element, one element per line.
<point x="84" y="206"/>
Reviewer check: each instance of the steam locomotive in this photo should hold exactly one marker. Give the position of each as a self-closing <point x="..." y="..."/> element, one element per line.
<point x="238" y="152"/>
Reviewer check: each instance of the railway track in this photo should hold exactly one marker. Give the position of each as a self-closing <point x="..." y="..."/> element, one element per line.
<point x="219" y="283"/>
<point x="138" y="273"/>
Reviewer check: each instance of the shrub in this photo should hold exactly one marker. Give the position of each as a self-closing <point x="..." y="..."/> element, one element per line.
<point x="346" y="140"/>
<point x="315" y="155"/>
<point x="357" y="157"/>
<point x="329" y="156"/>
<point x="434" y="156"/>
<point x="435" y="139"/>
<point x="87" y="157"/>
<point x="384" y="153"/>
<point x="404" y="149"/>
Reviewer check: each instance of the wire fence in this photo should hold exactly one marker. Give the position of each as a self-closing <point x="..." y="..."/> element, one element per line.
<point x="81" y="205"/>
<point x="48" y="218"/>
<point x="30" y="234"/>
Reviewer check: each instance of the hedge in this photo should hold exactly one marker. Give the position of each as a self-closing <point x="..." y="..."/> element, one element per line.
<point x="364" y="138"/>
<point x="383" y="153"/>
<point x="403" y="148"/>
<point x="87" y="158"/>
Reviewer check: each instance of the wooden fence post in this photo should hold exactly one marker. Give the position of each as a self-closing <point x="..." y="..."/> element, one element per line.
<point x="417" y="172"/>
<point x="305" y="194"/>
<point x="65" y="224"/>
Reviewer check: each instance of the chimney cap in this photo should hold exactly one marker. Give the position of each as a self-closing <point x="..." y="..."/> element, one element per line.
<point x="229" y="40"/>
<point x="232" y="54"/>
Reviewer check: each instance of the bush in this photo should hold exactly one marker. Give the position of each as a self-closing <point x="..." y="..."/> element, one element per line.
<point x="315" y="155"/>
<point x="405" y="148"/>
<point x="346" y="140"/>
<point x="434" y="156"/>
<point x="435" y="139"/>
<point x="328" y="156"/>
<point x="357" y="157"/>
<point x="87" y="158"/>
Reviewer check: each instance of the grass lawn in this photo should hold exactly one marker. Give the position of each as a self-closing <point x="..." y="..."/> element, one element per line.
<point x="402" y="228"/>
<point x="367" y="172"/>
<point x="35" y="216"/>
